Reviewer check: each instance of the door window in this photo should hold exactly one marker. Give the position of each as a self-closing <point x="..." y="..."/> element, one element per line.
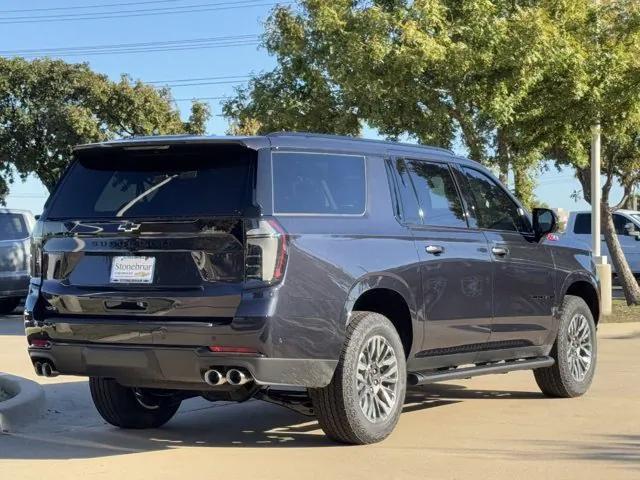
<point x="428" y="194"/>
<point x="619" y="223"/>
<point x="492" y="206"/>
<point x="583" y="224"/>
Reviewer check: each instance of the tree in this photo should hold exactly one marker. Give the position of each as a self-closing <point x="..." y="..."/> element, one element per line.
<point x="436" y="71"/>
<point x="517" y="81"/>
<point x="593" y="76"/>
<point x="48" y="106"/>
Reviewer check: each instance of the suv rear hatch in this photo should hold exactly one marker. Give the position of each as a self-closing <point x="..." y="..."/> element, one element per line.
<point x="149" y="233"/>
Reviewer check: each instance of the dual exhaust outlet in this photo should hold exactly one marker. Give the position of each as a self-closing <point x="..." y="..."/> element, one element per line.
<point x="45" y="369"/>
<point x="234" y="377"/>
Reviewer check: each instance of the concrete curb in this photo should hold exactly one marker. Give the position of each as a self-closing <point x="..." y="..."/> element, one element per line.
<point x="24" y="407"/>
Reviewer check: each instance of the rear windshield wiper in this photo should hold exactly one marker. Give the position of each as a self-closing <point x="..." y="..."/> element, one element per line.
<point x="148" y="191"/>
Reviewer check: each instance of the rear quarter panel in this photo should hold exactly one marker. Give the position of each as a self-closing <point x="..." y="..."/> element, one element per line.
<point x="333" y="260"/>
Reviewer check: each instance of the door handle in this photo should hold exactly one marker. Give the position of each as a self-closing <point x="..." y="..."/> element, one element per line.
<point x="499" y="251"/>
<point x="434" y="249"/>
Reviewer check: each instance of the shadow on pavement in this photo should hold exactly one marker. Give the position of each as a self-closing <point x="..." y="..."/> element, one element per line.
<point x="71" y="428"/>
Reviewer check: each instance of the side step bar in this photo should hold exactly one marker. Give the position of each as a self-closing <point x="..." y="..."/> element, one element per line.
<point x="422" y="378"/>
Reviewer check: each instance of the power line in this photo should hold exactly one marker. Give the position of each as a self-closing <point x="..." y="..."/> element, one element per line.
<point x="197" y="84"/>
<point x="140" y="13"/>
<point x="84" y="7"/>
<point x="199" y="98"/>
<point x="131" y="45"/>
<point x="167" y="47"/>
<point x="134" y="11"/>
<point x="225" y="77"/>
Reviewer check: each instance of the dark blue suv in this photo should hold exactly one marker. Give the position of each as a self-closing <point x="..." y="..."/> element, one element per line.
<point x="321" y="273"/>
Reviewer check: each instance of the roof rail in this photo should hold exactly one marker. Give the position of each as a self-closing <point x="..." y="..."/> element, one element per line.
<point x="357" y="139"/>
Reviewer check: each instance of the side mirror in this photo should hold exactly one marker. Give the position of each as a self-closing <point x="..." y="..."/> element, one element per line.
<point x="544" y="221"/>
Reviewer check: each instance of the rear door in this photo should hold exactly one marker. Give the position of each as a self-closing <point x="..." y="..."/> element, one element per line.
<point x="524" y="272"/>
<point x="152" y="233"/>
<point x="454" y="262"/>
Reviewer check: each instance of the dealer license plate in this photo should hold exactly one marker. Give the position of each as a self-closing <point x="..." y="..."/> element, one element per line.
<point x="132" y="269"/>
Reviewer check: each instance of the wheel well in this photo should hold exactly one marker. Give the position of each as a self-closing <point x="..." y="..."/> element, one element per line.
<point x="393" y="306"/>
<point x="588" y="293"/>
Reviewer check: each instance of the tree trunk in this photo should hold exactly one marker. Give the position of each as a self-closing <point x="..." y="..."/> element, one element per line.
<point x="503" y="175"/>
<point x="524" y="186"/>
<point x="625" y="276"/>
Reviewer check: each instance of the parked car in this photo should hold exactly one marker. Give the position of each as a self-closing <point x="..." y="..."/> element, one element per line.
<point x="343" y="269"/>
<point x="15" y="227"/>
<point x="627" y="224"/>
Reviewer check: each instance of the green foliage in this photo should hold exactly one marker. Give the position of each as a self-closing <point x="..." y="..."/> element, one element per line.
<point x="48" y="106"/>
<point x="433" y="70"/>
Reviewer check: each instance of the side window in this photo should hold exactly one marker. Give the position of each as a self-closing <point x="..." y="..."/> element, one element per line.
<point x="318" y="183"/>
<point x="438" y="197"/>
<point x="492" y="206"/>
<point x="409" y="208"/>
<point x="619" y="222"/>
<point x="582" y="225"/>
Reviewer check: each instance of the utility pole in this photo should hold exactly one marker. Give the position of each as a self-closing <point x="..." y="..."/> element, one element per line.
<point x="602" y="266"/>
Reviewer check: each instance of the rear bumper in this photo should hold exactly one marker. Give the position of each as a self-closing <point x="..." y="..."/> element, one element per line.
<point x="178" y="367"/>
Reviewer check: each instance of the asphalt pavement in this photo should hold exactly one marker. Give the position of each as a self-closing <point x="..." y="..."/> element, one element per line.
<point x="497" y="427"/>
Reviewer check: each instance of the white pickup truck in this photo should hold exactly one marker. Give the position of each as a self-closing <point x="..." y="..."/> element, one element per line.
<point x="627" y="224"/>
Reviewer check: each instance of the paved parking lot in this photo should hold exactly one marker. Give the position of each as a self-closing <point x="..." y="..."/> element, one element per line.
<point x="489" y="427"/>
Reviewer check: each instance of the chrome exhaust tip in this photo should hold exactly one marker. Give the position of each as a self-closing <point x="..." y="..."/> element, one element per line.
<point x="237" y="377"/>
<point x="214" y="378"/>
<point x="48" y="370"/>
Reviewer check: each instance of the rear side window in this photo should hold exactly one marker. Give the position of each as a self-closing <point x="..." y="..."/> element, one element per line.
<point x="428" y="194"/>
<point x="439" y="201"/>
<point x="13" y="227"/>
<point x="180" y="181"/>
<point x="310" y="183"/>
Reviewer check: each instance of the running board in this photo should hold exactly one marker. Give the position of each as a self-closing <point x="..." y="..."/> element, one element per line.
<point x="422" y="378"/>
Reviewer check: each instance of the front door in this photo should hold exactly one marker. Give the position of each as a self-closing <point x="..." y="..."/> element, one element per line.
<point x="455" y="264"/>
<point x="524" y="274"/>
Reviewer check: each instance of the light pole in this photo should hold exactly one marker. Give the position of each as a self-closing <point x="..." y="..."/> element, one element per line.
<point x="602" y="266"/>
<point x="596" y="192"/>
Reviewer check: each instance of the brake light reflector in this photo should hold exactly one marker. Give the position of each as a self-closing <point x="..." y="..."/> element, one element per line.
<point x="221" y="349"/>
<point x="39" y="343"/>
<point x="266" y="251"/>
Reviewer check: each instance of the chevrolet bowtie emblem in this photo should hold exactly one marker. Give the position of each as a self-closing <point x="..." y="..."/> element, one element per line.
<point x="128" y="227"/>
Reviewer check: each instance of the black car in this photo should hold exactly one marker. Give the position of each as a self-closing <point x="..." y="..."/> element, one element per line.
<point x="317" y="272"/>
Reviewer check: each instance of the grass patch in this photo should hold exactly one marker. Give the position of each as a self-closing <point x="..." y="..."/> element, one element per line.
<point x="623" y="313"/>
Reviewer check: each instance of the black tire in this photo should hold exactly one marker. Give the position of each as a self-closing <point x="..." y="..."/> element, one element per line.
<point x="121" y="407"/>
<point x="337" y="405"/>
<point x="558" y="380"/>
<point x="8" y="305"/>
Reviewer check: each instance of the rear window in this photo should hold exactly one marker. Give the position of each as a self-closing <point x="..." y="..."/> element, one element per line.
<point x="180" y="181"/>
<point x="318" y="183"/>
<point x="13" y="227"/>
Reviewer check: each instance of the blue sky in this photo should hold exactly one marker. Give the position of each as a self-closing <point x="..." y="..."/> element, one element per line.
<point x="554" y="187"/>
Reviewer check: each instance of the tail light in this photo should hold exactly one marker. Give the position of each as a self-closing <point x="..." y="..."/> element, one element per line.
<point x="35" y="266"/>
<point x="266" y="252"/>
